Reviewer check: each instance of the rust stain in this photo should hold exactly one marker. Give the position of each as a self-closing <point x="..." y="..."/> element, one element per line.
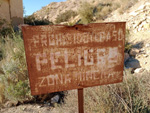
<point x="63" y="58"/>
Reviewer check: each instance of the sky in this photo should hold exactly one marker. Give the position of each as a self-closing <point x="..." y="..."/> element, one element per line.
<point x="31" y="6"/>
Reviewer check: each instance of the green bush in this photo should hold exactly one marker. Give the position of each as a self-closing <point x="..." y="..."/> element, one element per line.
<point x="14" y="70"/>
<point x="89" y="13"/>
<point x="30" y="20"/>
<point x="4" y="31"/>
<point x="86" y="12"/>
<point x="65" y="16"/>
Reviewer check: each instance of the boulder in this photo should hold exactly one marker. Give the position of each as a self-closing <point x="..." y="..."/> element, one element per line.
<point x="132" y="63"/>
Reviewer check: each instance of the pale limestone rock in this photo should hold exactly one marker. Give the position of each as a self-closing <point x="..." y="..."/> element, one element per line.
<point x="55" y="99"/>
<point x="147" y="26"/>
<point x="139" y="70"/>
<point x="147" y="45"/>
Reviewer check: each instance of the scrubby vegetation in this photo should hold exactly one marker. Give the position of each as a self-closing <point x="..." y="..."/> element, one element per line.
<point x="86" y="13"/>
<point x="13" y="76"/>
<point x="7" y="30"/>
<point x="102" y="10"/>
<point x="90" y="13"/>
<point x="31" y="20"/>
<point x="65" y="16"/>
<point x="130" y="96"/>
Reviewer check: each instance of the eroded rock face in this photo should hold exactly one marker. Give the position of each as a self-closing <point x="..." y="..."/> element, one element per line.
<point x="140" y="18"/>
<point x="137" y="17"/>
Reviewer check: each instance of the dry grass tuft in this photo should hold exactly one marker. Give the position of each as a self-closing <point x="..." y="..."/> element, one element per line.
<point x="1" y="93"/>
<point x="130" y="96"/>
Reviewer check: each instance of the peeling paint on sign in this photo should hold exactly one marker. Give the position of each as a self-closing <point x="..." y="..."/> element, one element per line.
<point x="63" y="58"/>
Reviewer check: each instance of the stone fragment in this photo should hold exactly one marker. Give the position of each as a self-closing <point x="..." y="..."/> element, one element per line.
<point x="139" y="70"/>
<point x="142" y="51"/>
<point x="145" y="55"/>
<point x="55" y="99"/>
<point x="133" y="13"/>
<point x="134" y="51"/>
<point x="147" y="45"/>
<point x="139" y="29"/>
<point x="10" y="104"/>
<point x="126" y="57"/>
<point x="39" y="106"/>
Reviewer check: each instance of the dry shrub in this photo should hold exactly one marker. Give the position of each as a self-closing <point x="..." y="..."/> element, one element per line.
<point x="13" y="67"/>
<point x="104" y="9"/>
<point x="86" y="12"/>
<point x="133" y="95"/>
<point x="31" y="20"/>
<point x="130" y="96"/>
<point x="65" y="16"/>
<point x="1" y="93"/>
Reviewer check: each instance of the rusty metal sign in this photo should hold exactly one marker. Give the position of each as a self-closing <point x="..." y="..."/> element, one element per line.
<point x="63" y="58"/>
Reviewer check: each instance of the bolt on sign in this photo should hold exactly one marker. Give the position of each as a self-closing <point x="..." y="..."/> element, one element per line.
<point x="63" y="57"/>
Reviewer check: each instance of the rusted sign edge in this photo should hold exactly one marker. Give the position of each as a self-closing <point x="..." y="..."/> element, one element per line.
<point x="71" y="27"/>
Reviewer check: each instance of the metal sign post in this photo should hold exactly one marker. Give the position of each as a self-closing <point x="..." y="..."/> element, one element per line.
<point x="80" y="101"/>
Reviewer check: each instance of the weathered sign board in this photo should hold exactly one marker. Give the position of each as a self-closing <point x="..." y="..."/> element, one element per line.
<point x="63" y="58"/>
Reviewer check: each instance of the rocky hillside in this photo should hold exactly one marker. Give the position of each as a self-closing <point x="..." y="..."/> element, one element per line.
<point x="51" y="11"/>
<point x="135" y="12"/>
<point x="100" y="8"/>
<point x="137" y="17"/>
